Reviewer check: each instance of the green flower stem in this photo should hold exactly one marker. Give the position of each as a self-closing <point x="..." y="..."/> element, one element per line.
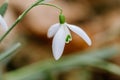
<point x="61" y="16"/>
<point x="61" y="11"/>
<point x="20" y="18"/>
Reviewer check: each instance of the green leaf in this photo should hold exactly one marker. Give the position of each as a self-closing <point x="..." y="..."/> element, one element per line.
<point x="3" y="8"/>
<point x="9" y="52"/>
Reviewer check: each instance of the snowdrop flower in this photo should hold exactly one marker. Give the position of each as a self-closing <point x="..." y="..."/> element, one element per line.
<point x="62" y="35"/>
<point x="3" y="24"/>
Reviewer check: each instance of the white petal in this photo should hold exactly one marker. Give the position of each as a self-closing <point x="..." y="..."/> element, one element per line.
<point x="3" y="23"/>
<point x="53" y="29"/>
<point x="81" y="33"/>
<point x="58" y="43"/>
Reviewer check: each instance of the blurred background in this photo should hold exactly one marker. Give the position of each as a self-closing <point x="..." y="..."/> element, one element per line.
<point x="34" y="61"/>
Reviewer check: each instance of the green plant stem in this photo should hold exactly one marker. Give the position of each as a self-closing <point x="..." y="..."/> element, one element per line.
<point x="60" y="9"/>
<point x="20" y="18"/>
<point x="37" y="3"/>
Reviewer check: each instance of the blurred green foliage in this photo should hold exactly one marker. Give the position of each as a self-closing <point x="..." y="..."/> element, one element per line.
<point x="42" y="70"/>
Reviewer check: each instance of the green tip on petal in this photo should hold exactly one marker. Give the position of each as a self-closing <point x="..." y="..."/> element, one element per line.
<point x="68" y="38"/>
<point x="62" y="19"/>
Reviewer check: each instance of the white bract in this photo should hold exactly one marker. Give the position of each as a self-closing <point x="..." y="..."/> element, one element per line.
<point x="62" y="35"/>
<point x="3" y="24"/>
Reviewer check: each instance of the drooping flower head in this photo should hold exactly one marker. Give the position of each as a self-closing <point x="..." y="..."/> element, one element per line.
<point x="62" y="35"/>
